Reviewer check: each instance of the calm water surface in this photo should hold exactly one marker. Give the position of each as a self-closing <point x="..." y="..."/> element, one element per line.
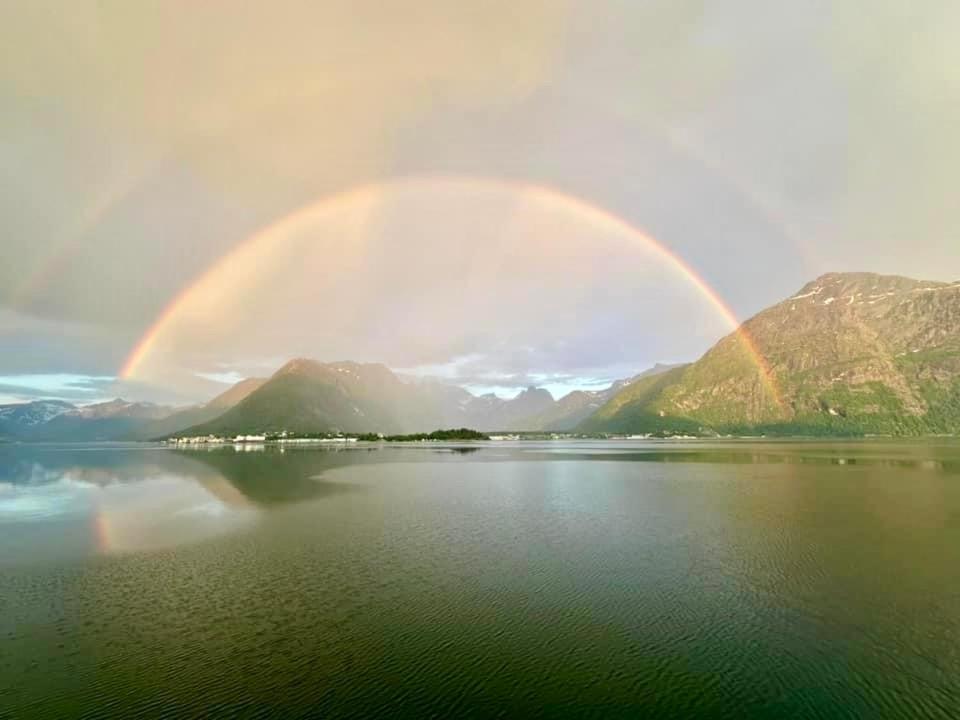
<point x="772" y="580"/>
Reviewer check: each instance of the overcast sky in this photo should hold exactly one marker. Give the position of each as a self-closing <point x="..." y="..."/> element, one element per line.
<point x="763" y="143"/>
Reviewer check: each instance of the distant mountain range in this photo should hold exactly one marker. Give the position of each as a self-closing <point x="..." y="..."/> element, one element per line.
<point x="570" y="411"/>
<point x="19" y="418"/>
<point x="849" y="354"/>
<point x="309" y="396"/>
<point x="102" y="421"/>
<point x="55" y="420"/>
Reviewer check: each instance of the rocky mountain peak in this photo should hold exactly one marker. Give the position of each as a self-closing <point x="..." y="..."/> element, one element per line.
<point x="863" y="288"/>
<point x="118" y="407"/>
<point x="298" y="366"/>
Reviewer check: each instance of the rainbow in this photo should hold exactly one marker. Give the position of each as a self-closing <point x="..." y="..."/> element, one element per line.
<point x="263" y="242"/>
<point x="57" y="258"/>
<point x="102" y="531"/>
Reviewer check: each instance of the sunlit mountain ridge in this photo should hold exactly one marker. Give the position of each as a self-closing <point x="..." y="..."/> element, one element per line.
<point x="849" y="353"/>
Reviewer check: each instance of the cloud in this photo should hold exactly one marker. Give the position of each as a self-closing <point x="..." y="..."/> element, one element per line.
<point x="81" y="388"/>
<point x="227" y="378"/>
<point x="36" y="345"/>
<point x="481" y="375"/>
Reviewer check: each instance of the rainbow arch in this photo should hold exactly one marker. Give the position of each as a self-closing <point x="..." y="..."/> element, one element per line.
<point x="273" y="235"/>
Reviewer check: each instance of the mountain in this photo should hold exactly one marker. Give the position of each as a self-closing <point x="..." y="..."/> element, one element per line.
<point x="575" y="407"/>
<point x="848" y="354"/>
<point x="119" y="408"/>
<point x="489" y="412"/>
<point x="304" y="395"/>
<point x="18" y="418"/>
<point x="112" y="420"/>
<point x="58" y="421"/>
<point x="567" y="412"/>
<point x="309" y="396"/>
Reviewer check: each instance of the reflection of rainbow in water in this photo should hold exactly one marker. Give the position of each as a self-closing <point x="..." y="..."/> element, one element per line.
<point x="249" y="255"/>
<point x="163" y="512"/>
<point x="102" y="531"/>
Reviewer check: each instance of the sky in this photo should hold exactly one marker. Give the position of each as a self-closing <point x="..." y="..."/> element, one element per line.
<point x="495" y="194"/>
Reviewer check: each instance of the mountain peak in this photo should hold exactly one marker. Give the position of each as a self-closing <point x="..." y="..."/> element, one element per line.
<point x="313" y="368"/>
<point x="35" y="412"/>
<point x="845" y="285"/>
<point x="118" y="407"/>
<point x="297" y="366"/>
<point x="532" y="391"/>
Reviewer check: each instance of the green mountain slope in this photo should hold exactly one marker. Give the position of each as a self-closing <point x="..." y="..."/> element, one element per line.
<point x="849" y="354"/>
<point x="307" y="396"/>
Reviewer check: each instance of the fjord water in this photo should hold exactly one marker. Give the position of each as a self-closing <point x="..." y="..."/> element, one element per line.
<point x="740" y="579"/>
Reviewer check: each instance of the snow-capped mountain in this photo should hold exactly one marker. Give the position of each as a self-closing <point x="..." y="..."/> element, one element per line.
<point x="30" y="414"/>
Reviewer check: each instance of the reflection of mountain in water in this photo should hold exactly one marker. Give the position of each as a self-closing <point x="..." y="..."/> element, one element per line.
<point x="235" y="479"/>
<point x="272" y="477"/>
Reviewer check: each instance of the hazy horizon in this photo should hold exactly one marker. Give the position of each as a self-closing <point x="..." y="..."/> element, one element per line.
<point x="61" y="386"/>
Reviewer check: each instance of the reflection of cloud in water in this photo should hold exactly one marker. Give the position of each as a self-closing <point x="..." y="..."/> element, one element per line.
<point x="66" y="501"/>
<point x="36" y="501"/>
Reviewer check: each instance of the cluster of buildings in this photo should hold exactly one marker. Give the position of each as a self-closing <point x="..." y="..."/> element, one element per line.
<point x="216" y="440"/>
<point x="199" y="440"/>
<point x="281" y="438"/>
